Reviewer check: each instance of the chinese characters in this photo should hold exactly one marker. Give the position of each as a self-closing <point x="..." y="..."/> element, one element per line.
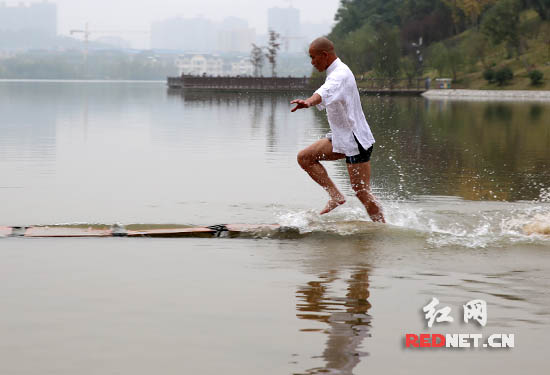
<point x="473" y="310"/>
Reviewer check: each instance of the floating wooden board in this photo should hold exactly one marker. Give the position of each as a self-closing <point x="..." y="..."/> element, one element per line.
<point x="66" y="232"/>
<point x="5" y="231"/>
<point x="173" y="232"/>
<point x="222" y="230"/>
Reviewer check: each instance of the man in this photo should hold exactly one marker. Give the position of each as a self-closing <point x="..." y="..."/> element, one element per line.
<point x="350" y="136"/>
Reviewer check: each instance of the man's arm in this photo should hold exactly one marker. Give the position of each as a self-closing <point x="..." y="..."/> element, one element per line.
<point x="311" y="101"/>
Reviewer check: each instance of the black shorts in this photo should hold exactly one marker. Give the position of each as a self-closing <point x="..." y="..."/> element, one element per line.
<point x="362" y="157"/>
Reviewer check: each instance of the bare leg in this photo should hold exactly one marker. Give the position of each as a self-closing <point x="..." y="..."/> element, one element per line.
<point x="309" y="159"/>
<point x="359" y="175"/>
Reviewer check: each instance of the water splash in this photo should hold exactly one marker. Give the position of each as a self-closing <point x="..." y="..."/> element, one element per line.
<point x="442" y="221"/>
<point x="544" y="196"/>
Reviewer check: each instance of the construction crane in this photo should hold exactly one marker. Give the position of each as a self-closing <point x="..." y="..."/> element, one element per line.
<point x="86" y="31"/>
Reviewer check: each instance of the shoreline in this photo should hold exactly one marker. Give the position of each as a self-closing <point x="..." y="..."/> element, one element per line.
<point x="507" y="95"/>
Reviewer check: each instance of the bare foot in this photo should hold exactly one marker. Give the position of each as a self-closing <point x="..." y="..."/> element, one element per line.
<point x="332" y="204"/>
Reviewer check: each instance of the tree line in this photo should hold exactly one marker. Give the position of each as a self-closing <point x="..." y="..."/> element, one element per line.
<point x="396" y="38"/>
<point x="74" y="65"/>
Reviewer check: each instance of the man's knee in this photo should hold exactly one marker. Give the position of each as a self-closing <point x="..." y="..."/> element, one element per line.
<point x="304" y="159"/>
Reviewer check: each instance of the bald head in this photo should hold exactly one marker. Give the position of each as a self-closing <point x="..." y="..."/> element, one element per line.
<point x="322" y="44"/>
<point x="321" y="51"/>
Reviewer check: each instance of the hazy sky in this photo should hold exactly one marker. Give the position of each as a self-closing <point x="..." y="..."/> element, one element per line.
<point x="138" y="14"/>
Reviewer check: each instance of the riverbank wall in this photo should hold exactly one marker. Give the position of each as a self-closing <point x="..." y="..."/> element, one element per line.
<point x="509" y="95"/>
<point x="366" y="86"/>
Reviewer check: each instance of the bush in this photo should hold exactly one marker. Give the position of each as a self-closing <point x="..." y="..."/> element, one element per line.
<point x="536" y="77"/>
<point x="504" y="75"/>
<point x="489" y="75"/>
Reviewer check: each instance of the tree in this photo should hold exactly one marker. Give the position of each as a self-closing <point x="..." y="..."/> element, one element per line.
<point x="504" y="75"/>
<point x="439" y="58"/>
<point x="357" y="49"/>
<point x="273" y="47"/>
<point x="455" y="12"/>
<point x="455" y="60"/>
<point x="542" y="7"/>
<point x="352" y="14"/>
<point x="257" y="59"/>
<point x="409" y="66"/>
<point x="387" y="52"/>
<point x="501" y="24"/>
<point x="536" y="77"/>
<point x="472" y="9"/>
<point x="476" y="47"/>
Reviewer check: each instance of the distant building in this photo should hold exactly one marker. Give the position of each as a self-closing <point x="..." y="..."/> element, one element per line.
<point x="200" y="35"/>
<point x="184" y="34"/>
<point x="286" y="22"/>
<point x="114" y="41"/>
<point x="7" y="54"/>
<point x="213" y="65"/>
<point x="37" y="17"/>
<point x="236" y="40"/>
<point x="242" y="67"/>
<point x="199" y="65"/>
<point x="234" y="35"/>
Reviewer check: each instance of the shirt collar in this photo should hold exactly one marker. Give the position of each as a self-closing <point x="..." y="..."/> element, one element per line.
<point x="333" y="66"/>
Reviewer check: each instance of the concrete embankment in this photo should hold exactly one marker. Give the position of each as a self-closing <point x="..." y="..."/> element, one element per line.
<point x="487" y="94"/>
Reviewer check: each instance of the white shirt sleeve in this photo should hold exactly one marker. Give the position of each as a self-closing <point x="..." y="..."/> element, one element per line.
<point x="329" y="92"/>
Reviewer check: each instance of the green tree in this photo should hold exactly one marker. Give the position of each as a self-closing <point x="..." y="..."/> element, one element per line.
<point x="353" y="14"/>
<point x="357" y="50"/>
<point x="536" y="77"/>
<point x="455" y="60"/>
<point x="472" y="9"/>
<point x="257" y="59"/>
<point x="476" y="48"/>
<point x="387" y="52"/>
<point x="542" y="7"/>
<point x="273" y="47"/>
<point x="504" y="75"/>
<point x="409" y="67"/>
<point x="501" y="24"/>
<point x="439" y="58"/>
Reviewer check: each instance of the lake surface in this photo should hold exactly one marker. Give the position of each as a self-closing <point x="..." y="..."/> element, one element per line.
<point x="461" y="183"/>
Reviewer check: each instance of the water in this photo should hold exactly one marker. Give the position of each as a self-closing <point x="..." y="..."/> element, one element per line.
<point x="465" y="187"/>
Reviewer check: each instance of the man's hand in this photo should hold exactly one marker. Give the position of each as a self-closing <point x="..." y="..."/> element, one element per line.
<point x="300" y="103"/>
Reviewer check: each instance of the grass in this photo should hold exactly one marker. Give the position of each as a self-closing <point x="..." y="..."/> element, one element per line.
<point x="535" y="56"/>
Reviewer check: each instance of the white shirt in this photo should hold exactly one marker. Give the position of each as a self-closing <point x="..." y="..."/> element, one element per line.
<point x="340" y="97"/>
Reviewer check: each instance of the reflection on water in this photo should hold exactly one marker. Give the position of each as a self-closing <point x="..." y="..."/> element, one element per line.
<point x="473" y="150"/>
<point x="346" y="316"/>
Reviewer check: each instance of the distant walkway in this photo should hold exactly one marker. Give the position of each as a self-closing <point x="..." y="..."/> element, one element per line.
<point x="488" y="95"/>
<point x="387" y="91"/>
<point x="367" y="86"/>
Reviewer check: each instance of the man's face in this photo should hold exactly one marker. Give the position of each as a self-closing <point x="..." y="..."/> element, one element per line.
<point x="318" y="59"/>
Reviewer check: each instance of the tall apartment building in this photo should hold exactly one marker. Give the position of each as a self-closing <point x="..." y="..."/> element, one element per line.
<point x="236" y="40"/>
<point x="201" y="35"/>
<point x="37" y="17"/>
<point x="234" y="35"/>
<point x="185" y="34"/>
<point x="286" y="22"/>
